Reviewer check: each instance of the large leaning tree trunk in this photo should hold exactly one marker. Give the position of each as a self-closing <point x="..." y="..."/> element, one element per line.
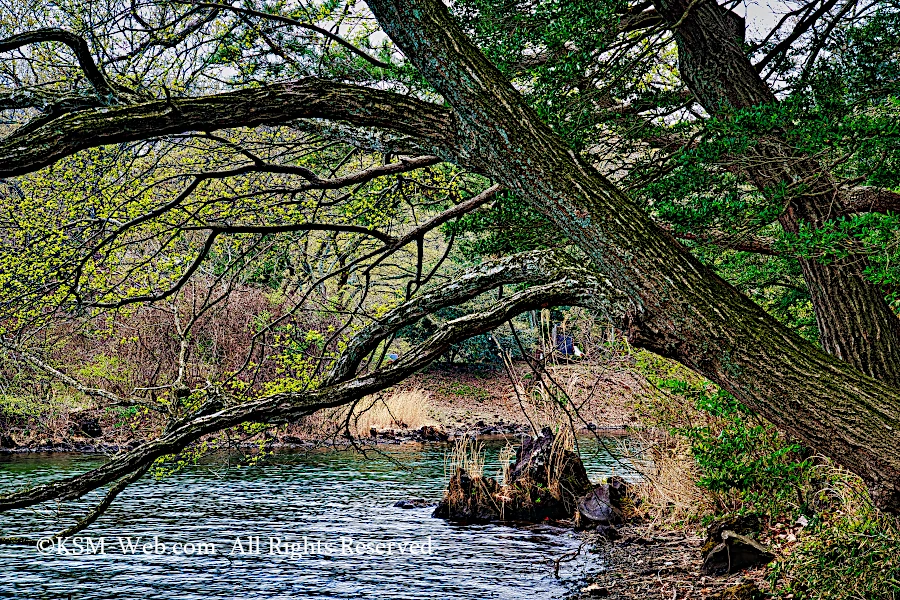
<point x="679" y="307"/>
<point x="854" y="320"/>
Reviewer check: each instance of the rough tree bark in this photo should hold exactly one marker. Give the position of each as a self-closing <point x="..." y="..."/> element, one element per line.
<point x="854" y="320"/>
<point x="679" y="308"/>
<point x="30" y="149"/>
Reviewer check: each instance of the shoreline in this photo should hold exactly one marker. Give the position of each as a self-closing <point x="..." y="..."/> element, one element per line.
<point x="462" y="400"/>
<point x="662" y="563"/>
<point x="391" y="437"/>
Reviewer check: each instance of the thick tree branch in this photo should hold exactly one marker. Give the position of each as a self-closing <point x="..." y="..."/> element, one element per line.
<point x="430" y="124"/>
<point x="872" y="199"/>
<point x="370" y="139"/>
<point x="723" y="240"/>
<point x="528" y="267"/>
<point x="641" y="20"/>
<point x="46" y="100"/>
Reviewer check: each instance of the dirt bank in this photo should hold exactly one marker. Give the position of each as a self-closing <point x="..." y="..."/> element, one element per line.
<point x="461" y="400"/>
<point x="647" y="563"/>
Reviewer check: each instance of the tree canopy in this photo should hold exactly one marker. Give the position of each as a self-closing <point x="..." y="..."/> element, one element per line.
<point x="721" y="186"/>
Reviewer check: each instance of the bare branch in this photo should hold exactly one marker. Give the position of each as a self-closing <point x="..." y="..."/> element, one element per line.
<point x="288" y="228"/>
<point x="88" y="519"/>
<point x="57" y="374"/>
<point x="78" y="45"/>
<point x="318" y="183"/>
<point x="784" y="45"/>
<point x="185" y="277"/>
<point x="439" y="219"/>
<point x="294" y="22"/>
<point x="41" y="365"/>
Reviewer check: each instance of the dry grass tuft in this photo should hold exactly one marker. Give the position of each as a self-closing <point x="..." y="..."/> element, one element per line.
<point x="668" y="492"/>
<point x="468" y="490"/>
<point x="561" y="452"/>
<point x="467" y="454"/>
<point x="506" y="458"/>
<point x="405" y="409"/>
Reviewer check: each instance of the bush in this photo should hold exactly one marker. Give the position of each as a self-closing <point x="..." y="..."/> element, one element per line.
<point x="850" y="550"/>
<point x="742" y="464"/>
<point x="742" y="456"/>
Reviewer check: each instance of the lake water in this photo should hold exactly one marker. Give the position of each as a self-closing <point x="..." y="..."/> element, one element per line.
<point x="318" y="501"/>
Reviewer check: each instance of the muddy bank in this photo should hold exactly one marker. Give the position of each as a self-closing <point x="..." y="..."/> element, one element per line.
<point x="650" y="563"/>
<point x="463" y="400"/>
<point x="286" y="439"/>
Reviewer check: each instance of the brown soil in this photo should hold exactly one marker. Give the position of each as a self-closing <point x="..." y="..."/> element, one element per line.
<point x="650" y="564"/>
<point x="462" y="396"/>
<point x="464" y="399"/>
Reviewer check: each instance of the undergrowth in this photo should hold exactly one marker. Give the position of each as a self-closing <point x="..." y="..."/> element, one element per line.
<point x="710" y="456"/>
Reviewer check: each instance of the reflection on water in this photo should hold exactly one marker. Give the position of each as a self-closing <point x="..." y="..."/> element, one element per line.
<point x="320" y="496"/>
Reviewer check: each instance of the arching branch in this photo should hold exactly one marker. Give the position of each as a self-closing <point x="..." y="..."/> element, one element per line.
<point x="429" y="123"/>
<point x="526" y="267"/>
<point x="78" y="45"/>
<point x="288" y="406"/>
<point x="391" y="243"/>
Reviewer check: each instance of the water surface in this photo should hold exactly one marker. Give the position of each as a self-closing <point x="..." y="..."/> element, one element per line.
<point x="319" y="498"/>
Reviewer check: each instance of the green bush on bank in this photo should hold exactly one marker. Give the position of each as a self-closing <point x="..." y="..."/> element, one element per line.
<point x="848" y="549"/>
